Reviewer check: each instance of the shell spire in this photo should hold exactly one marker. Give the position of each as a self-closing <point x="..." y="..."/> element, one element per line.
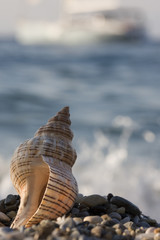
<point x="41" y="171"/>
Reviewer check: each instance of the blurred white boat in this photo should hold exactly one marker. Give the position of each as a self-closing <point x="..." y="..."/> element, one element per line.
<point x="83" y="21"/>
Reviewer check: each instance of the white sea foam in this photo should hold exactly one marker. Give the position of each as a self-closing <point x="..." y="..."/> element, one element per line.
<point x="103" y="167"/>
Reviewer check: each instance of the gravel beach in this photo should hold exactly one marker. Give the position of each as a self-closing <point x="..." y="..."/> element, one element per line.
<point x="92" y="217"/>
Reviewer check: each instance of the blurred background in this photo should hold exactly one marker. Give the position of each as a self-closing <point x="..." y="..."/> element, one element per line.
<point x="102" y="58"/>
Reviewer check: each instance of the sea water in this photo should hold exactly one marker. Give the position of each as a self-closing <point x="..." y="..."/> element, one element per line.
<point x="113" y="91"/>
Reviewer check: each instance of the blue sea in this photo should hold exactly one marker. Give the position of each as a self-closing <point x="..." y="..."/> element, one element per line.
<point x="113" y="91"/>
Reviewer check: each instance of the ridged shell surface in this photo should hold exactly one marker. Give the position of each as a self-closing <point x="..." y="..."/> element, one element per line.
<point x="41" y="172"/>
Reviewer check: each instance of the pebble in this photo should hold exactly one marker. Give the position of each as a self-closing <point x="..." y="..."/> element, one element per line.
<point x="157" y="236"/>
<point x="11" y="214"/>
<point x="125" y="220"/>
<point x="157" y="230"/>
<point x="8" y="233"/>
<point x="97" y="231"/>
<point x="121" y="210"/>
<point x="77" y="220"/>
<point x="4" y="217"/>
<point x="10" y="200"/>
<point x="68" y="223"/>
<point x="130" y="225"/>
<point x="93" y="219"/>
<point x="122" y="202"/>
<point x="150" y="230"/>
<point x="106" y="217"/>
<point x="115" y="215"/>
<point x="143" y="224"/>
<point x="94" y="200"/>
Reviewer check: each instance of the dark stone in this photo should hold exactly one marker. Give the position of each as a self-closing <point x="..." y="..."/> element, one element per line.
<point x="2" y="206"/>
<point x="122" y="202"/>
<point x="109" y="196"/>
<point x="10" y="200"/>
<point x="98" y="210"/>
<point x="94" y="200"/>
<point x="13" y="207"/>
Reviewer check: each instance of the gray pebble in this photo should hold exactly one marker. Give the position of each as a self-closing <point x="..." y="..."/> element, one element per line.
<point x="82" y="214"/>
<point x="8" y="233"/>
<point x="97" y="231"/>
<point x="143" y="224"/>
<point x="94" y="200"/>
<point x="125" y="220"/>
<point x="136" y="219"/>
<point x="106" y="217"/>
<point x="122" y="202"/>
<point x="121" y="210"/>
<point x="75" y="211"/>
<point x="75" y="234"/>
<point x="93" y="219"/>
<point x="130" y="225"/>
<point x="10" y="200"/>
<point x="11" y="214"/>
<point x="144" y="236"/>
<point x="67" y="223"/>
<point x="115" y="215"/>
<point x="157" y="236"/>
<point x="150" y="230"/>
<point x="77" y="220"/>
<point x="4" y="217"/>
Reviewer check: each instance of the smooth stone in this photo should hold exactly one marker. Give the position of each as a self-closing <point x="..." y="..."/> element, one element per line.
<point x="2" y="206"/>
<point x="119" y="226"/>
<point x="125" y="220"/>
<point x="136" y="219"/>
<point x="157" y="230"/>
<point x="130" y="225"/>
<point x="75" y="211"/>
<point x="115" y="215"/>
<point x="82" y="214"/>
<point x="157" y="236"/>
<point x="143" y="236"/>
<point x="10" y="200"/>
<point x="13" y="207"/>
<point x="8" y="233"/>
<point x="47" y="223"/>
<point x="106" y="217"/>
<point x="121" y="210"/>
<point x="109" y="223"/>
<point x="126" y="232"/>
<point x="2" y="225"/>
<point x="143" y="224"/>
<point x="150" y="230"/>
<point x="11" y="214"/>
<point x="151" y="221"/>
<point x="4" y="217"/>
<point x="75" y="234"/>
<point x="68" y="223"/>
<point x="77" y="220"/>
<point x="94" y="200"/>
<point x="97" y="231"/>
<point x="79" y="198"/>
<point x="122" y="202"/>
<point x="93" y="219"/>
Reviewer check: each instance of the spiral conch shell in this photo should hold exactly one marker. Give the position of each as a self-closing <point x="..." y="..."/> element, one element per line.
<point x="41" y="172"/>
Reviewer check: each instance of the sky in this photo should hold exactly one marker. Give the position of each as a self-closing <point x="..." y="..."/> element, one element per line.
<point x="12" y="10"/>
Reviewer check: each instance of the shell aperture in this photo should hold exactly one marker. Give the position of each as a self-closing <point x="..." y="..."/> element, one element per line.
<point x="41" y="172"/>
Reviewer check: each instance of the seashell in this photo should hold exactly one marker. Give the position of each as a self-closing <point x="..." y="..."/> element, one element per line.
<point x="41" y="172"/>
